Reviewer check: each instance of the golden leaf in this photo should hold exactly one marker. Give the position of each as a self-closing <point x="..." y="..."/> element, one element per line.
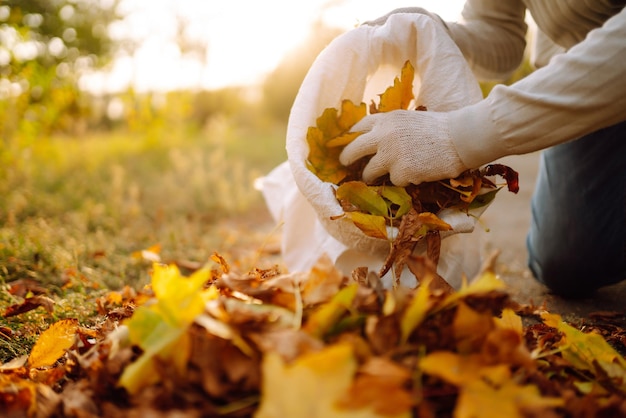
<point x="312" y="386"/>
<point x="589" y="351"/>
<point x="399" y="96"/>
<point x="53" y="343"/>
<point x="461" y="369"/>
<point x="327" y="139"/>
<point x="480" y="399"/>
<point x="374" y="226"/>
<point x="510" y="320"/>
<point x="417" y="310"/>
<point x="322" y="319"/>
<point x="161" y="327"/>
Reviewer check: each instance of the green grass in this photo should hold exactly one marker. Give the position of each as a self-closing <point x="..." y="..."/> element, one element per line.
<point x="75" y="209"/>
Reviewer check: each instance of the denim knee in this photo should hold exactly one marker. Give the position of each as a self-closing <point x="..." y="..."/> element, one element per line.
<point x="572" y="274"/>
<point x="577" y="237"/>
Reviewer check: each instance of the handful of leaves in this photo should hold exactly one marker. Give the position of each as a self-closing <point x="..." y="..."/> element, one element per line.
<point x="377" y="208"/>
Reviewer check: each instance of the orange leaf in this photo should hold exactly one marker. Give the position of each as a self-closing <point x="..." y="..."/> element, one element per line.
<point x="53" y="343"/>
<point x="399" y="96"/>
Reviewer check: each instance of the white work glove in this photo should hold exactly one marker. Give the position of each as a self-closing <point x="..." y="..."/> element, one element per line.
<point x="412" y="146"/>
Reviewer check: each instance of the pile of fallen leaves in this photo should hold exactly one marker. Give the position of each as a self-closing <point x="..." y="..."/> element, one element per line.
<point x="266" y="343"/>
<point x="375" y="208"/>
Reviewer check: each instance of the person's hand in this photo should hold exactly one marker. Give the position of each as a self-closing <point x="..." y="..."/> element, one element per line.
<point x="412" y="146"/>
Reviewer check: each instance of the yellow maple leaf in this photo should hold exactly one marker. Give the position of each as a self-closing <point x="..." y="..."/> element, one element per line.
<point x="53" y="343"/>
<point x="399" y="95"/>
<point x="313" y="386"/>
<point x="374" y="226"/>
<point x="328" y="137"/>
<point x="478" y="399"/>
<point x="160" y="328"/>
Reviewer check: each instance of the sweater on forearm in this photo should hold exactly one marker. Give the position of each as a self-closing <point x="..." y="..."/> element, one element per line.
<point x="579" y="91"/>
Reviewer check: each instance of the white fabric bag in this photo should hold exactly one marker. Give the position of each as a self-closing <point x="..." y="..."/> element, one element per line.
<point x="359" y="65"/>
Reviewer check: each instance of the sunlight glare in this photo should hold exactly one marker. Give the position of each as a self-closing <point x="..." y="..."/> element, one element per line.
<point x="243" y="40"/>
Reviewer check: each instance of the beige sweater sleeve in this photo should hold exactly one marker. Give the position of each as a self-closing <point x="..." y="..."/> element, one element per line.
<point x="579" y="92"/>
<point x="492" y="36"/>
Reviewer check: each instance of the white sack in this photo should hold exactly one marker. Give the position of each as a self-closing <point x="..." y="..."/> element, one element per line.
<point x="358" y="66"/>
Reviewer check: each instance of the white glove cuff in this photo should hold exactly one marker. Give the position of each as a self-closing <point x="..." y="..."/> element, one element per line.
<point x="475" y="135"/>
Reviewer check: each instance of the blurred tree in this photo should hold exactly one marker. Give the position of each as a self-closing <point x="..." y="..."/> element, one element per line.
<point x="281" y="86"/>
<point x="44" y="46"/>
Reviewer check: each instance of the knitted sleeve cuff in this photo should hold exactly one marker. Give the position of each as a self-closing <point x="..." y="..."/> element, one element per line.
<point x="475" y="136"/>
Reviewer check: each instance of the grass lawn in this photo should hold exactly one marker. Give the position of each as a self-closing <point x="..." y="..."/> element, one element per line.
<point x="75" y="211"/>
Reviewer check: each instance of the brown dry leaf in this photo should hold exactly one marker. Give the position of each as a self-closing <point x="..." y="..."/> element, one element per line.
<point x="413" y="228"/>
<point x="29" y="304"/>
<point x="22" y="287"/>
<point x="322" y="282"/>
<point x="53" y="343"/>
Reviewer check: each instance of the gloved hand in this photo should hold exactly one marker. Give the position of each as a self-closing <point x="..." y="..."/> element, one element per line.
<point x="412" y="146"/>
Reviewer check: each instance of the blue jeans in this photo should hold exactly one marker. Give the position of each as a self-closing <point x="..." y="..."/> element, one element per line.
<point x="577" y="237"/>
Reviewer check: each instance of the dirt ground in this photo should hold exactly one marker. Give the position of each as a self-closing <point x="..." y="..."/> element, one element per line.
<point x="508" y="219"/>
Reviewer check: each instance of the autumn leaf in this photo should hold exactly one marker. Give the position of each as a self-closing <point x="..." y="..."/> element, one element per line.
<point x="478" y="399"/>
<point x="511" y="176"/>
<point x="380" y="375"/>
<point x="29" y="304"/>
<point x="18" y="397"/>
<point x="416" y="311"/>
<point x="327" y="314"/>
<point x="53" y="343"/>
<point x="314" y="386"/>
<point x="327" y="139"/>
<point x="589" y="351"/>
<point x="374" y="226"/>
<point x="463" y="369"/>
<point x="510" y="320"/>
<point x="149" y="254"/>
<point x="365" y="198"/>
<point x="400" y="201"/>
<point x="399" y="95"/>
<point x="160" y="328"/>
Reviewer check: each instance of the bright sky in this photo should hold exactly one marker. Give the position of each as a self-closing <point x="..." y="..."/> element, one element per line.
<point x="244" y="39"/>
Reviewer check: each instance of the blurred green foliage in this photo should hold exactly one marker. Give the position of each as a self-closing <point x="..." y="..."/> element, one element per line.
<point x="45" y="45"/>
